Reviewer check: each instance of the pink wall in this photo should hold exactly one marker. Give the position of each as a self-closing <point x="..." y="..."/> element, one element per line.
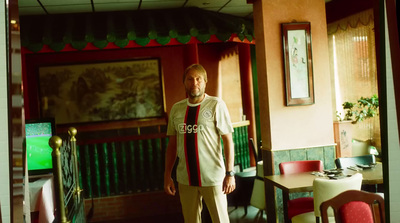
<point x="292" y="127"/>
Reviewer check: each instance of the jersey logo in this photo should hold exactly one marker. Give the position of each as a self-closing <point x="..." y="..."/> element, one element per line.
<point x="207" y="114"/>
<point x="183" y="128"/>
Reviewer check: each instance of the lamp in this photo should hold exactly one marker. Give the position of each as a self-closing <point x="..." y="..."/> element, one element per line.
<point x="372" y="150"/>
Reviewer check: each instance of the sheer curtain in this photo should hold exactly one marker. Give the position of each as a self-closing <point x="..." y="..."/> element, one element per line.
<point x="353" y="67"/>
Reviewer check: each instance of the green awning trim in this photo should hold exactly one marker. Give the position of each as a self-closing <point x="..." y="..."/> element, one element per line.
<point x="142" y="41"/>
<point x="183" y="38"/>
<point x="121" y="42"/>
<point x="163" y="40"/>
<point x="100" y="43"/>
<point x="204" y="37"/>
<point x="102" y="28"/>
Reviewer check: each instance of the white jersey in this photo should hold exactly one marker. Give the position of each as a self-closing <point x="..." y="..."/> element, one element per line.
<point x="198" y="128"/>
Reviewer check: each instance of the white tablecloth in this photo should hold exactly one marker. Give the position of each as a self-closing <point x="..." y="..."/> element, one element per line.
<point x="42" y="198"/>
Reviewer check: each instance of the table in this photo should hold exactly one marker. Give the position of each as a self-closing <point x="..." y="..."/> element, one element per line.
<point x="42" y="198"/>
<point x="302" y="182"/>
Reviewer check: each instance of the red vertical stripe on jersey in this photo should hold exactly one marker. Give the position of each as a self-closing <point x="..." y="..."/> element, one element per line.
<point x="184" y="144"/>
<point x="197" y="147"/>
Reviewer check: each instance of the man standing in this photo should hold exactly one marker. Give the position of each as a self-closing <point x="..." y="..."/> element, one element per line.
<point x="195" y="128"/>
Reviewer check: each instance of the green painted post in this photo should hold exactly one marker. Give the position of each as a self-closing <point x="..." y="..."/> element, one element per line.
<point x="115" y="167"/>
<point x="143" y="183"/>
<point x="106" y="169"/>
<point x="97" y="169"/>
<point x="78" y="149"/>
<point x="88" y="186"/>
<point x="150" y="165"/>
<point x="246" y="144"/>
<point x="133" y="166"/>
<point x="124" y="167"/>
<point x="238" y="153"/>
<point x="159" y="166"/>
<point x="244" y="148"/>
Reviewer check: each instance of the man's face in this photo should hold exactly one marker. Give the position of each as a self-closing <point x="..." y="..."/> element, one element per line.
<point x="195" y="84"/>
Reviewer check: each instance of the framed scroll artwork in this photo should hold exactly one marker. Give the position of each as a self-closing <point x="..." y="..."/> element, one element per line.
<point x="299" y="82"/>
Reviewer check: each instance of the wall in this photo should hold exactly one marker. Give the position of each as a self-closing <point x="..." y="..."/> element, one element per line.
<point x="391" y="177"/>
<point x="296" y="126"/>
<point x="295" y="132"/>
<point x="172" y="62"/>
<point x="4" y="142"/>
<point x="223" y="77"/>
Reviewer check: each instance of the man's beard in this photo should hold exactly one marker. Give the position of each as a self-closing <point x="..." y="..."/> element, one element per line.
<point x="195" y="94"/>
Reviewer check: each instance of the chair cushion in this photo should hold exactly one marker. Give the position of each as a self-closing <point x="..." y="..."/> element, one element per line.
<point x="300" y="205"/>
<point x="356" y="211"/>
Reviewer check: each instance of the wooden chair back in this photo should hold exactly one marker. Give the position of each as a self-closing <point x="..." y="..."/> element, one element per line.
<point x="351" y="205"/>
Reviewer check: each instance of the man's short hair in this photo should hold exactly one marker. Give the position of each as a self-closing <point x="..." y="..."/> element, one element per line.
<point x="198" y="68"/>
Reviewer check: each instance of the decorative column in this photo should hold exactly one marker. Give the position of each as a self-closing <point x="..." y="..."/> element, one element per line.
<point x="246" y="79"/>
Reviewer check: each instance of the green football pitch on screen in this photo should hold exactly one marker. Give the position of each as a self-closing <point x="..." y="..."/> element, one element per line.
<point x="38" y="153"/>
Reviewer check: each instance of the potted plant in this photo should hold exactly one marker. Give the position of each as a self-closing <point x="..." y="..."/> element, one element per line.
<point x="354" y="112"/>
<point x="363" y="109"/>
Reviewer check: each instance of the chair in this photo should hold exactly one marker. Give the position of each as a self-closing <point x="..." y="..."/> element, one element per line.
<point x="258" y="193"/>
<point x="303" y="204"/>
<point x="344" y="162"/>
<point x="258" y="196"/>
<point x="244" y="184"/>
<point x="325" y="189"/>
<point x="354" y="206"/>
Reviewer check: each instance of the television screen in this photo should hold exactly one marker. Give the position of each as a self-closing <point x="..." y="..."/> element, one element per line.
<point x="38" y="152"/>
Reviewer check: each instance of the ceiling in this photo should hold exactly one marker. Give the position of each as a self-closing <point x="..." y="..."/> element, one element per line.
<point x="41" y="7"/>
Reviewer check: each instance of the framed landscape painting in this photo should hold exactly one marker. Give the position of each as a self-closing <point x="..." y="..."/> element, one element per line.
<point x="109" y="91"/>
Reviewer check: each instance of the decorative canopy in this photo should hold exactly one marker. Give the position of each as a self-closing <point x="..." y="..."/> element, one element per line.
<point x="102" y="28"/>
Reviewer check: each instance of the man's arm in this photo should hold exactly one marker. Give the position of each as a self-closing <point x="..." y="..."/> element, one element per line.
<point x="229" y="184"/>
<point x="170" y="157"/>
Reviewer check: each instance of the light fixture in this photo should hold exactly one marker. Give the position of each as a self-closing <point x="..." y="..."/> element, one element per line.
<point x="373" y="150"/>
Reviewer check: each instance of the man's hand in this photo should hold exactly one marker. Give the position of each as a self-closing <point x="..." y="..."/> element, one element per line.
<point x="169" y="186"/>
<point x="229" y="184"/>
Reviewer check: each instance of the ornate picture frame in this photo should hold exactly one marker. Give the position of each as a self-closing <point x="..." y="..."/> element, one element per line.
<point x="299" y="79"/>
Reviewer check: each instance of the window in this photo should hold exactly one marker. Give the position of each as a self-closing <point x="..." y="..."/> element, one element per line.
<point x="353" y="68"/>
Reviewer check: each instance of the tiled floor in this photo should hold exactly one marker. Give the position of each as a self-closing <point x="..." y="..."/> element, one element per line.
<point x="253" y="215"/>
<point x="235" y="215"/>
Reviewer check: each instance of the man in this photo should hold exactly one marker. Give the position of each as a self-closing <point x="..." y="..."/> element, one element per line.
<point x="194" y="128"/>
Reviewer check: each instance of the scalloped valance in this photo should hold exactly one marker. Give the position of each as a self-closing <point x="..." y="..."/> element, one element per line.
<point x="364" y="17"/>
<point x="102" y="28"/>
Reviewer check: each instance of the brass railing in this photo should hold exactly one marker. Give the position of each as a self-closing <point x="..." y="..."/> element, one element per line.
<point x="69" y="203"/>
